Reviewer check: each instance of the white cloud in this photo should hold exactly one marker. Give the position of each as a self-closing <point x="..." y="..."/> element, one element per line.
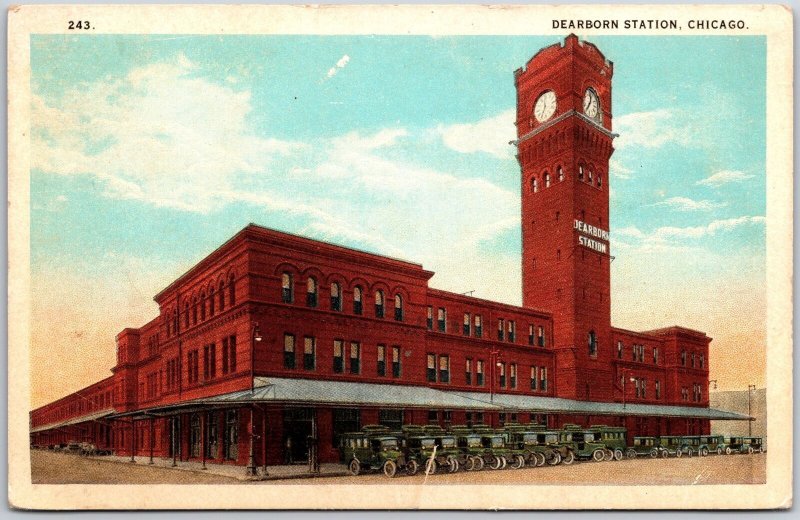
<point x="342" y="63"/>
<point x="724" y="177"/>
<point x="652" y="129"/>
<point x="665" y="234"/>
<point x="687" y="204"/>
<point x="619" y="170"/>
<point x="490" y="135"/>
<point x="145" y="139"/>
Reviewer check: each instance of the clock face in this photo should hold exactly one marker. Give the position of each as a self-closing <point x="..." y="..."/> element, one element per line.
<point x="591" y="105"/>
<point x="545" y="106"/>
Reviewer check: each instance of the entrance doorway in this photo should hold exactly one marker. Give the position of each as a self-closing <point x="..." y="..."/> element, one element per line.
<point x="296" y="430"/>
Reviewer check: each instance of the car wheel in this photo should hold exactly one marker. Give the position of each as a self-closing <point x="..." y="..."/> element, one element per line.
<point x="520" y="462"/>
<point x="719" y="450"/>
<point x="430" y="467"/>
<point x="678" y="453"/>
<point x="412" y="467"/>
<point x="664" y="454"/>
<point x="630" y="453"/>
<point x="598" y="455"/>
<point x="480" y="463"/>
<point x="496" y="463"/>
<point x="390" y="468"/>
<point x="728" y="450"/>
<point x="452" y="464"/>
<point x="504" y="461"/>
<point x="540" y="459"/>
<point x="750" y="450"/>
<point x="355" y="467"/>
<point x="704" y="452"/>
<point x="569" y="458"/>
<point x="761" y="449"/>
<point x="609" y="455"/>
<point x="469" y="465"/>
<point x="618" y="454"/>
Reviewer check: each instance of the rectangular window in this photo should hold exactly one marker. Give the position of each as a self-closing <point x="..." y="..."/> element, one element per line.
<point x="232" y="354"/>
<point x="641" y="353"/>
<point x="702" y="361"/>
<point x="433" y="416"/>
<point x="224" y="356"/>
<point x="338" y="356"/>
<point x="534" y="376"/>
<point x="430" y="317"/>
<point x="619" y="350"/>
<point x="658" y="389"/>
<point x="502" y="367"/>
<point x="288" y="351"/>
<point x="309" y="353"/>
<point x="543" y="379"/>
<point x="447" y="418"/>
<point x="467" y="323"/>
<point x="542" y="339"/>
<point x="431" y="373"/>
<point x="513" y="375"/>
<point x="206" y="365"/>
<point x="512" y="330"/>
<point x="336" y="297"/>
<point x="395" y="361"/>
<point x="478" y="326"/>
<point x="444" y="369"/>
<point x="212" y="360"/>
<point x="531" y="338"/>
<point x="442" y="319"/>
<point x="683" y="357"/>
<point x="479" y="372"/>
<point x="644" y="388"/>
<point x="636" y="382"/>
<point x="355" y="357"/>
<point x="468" y="371"/>
<point x="381" y="360"/>
<point x="692" y="359"/>
<point x="655" y="355"/>
<point x="500" y="329"/>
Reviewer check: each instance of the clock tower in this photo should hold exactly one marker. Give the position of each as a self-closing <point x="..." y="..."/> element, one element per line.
<point x="564" y="142"/>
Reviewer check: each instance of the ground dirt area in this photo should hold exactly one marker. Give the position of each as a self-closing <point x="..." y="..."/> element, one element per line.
<point x="724" y="469"/>
<point x="57" y="468"/>
<point x="62" y="468"/>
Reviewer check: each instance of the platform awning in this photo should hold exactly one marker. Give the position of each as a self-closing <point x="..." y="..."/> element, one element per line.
<point x="74" y="420"/>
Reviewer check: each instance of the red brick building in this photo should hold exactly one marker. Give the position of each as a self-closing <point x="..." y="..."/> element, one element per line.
<point x="275" y="338"/>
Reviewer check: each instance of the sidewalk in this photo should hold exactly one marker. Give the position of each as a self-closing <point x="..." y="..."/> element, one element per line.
<point x="231" y="470"/>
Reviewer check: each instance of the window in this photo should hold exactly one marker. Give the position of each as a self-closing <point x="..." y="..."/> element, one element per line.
<point x="478" y="326"/>
<point x="444" y="369"/>
<point x="512" y="374"/>
<point x="381" y="360"/>
<point x="231" y="440"/>
<point x="355" y="357"/>
<point x="479" y="372"/>
<point x="580" y="172"/>
<point x="229" y="355"/>
<point x="619" y="350"/>
<point x="546" y="180"/>
<point x="338" y="356"/>
<point x="592" y="344"/>
<point x="398" y="307"/>
<point x="193" y="366"/>
<point x="692" y="359"/>
<point x="599" y="181"/>
<point x="543" y="379"/>
<point x="658" y="389"/>
<point x="231" y="290"/>
<point x="702" y="361"/>
<point x="560" y="173"/>
<point x="431" y="372"/>
<point x="202" y="304"/>
<point x="287" y="288"/>
<point x="288" y="351"/>
<point x="502" y="367"/>
<point x="467" y="323"/>
<point x="336" y="297"/>
<point x="512" y="330"/>
<point x="534" y="376"/>
<point x="655" y="355"/>
<point x="430" y="317"/>
<point x="468" y="371"/>
<point x="221" y="295"/>
<point x="589" y="176"/>
<point x="194" y="311"/>
<point x="311" y="292"/>
<point x="500" y="331"/>
<point x="211" y="301"/>
<point x="683" y="357"/>
<point x="379" y="304"/>
<point x="442" y="319"/>
<point x="186" y="316"/>
<point x="644" y="388"/>
<point x="433" y="416"/>
<point x="542" y="339"/>
<point x="534" y="185"/>
<point x="210" y="361"/>
<point x="636" y="382"/>
<point x="309" y="353"/>
<point x="530" y="335"/>
<point x="358" y="305"/>
<point x="395" y="361"/>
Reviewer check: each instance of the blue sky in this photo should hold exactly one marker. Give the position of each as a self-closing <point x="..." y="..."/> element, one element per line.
<point x="149" y="152"/>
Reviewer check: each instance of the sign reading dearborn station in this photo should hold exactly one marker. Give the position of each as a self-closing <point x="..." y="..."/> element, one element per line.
<point x="275" y="344"/>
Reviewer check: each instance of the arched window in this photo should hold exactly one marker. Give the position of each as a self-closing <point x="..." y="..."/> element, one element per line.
<point x="287" y="288"/>
<point x="398" y="307"/>
<point x="546" y="180"/>
<point x="560" y="173"/>
<point x="358" y="304"/>
<point x="580" y="172"/>
<point x="203" y="306"/>
<point x="589" y="176"/>
<point x="534" y="185"/>
<point x="592" y="344"/>
<point x="379" y="304"/>
<point x="175" y="320"/>
<point x="311" y="292"/>
<point x="210" y="301"/>
<point x="221" y="294"/>
<point x="186" y="316"/>
<point x="231" y="290"/>
<point x="599" y="181"/>
<point x="336" y="297"/>
<point x="194" y="311"/>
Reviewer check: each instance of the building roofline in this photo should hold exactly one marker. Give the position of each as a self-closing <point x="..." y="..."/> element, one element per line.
<point x="73" y="393"/>
<point x="489" y="303"/>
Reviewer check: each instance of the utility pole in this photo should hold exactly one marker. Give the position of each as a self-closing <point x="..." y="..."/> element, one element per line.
<point x="750" y="389"/>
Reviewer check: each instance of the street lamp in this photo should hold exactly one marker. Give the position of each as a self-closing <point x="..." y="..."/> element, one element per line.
<point x="750" y="388"/>
<point x="255" y="337"/>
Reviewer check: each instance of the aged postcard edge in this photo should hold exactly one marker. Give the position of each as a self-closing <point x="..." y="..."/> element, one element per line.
<point x="772" y="21"/>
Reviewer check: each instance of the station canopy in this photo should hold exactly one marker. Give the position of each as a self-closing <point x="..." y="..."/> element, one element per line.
<point x="74" y="420"/>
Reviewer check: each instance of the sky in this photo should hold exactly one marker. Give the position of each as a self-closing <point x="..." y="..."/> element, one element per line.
<point x="148" y="152"/>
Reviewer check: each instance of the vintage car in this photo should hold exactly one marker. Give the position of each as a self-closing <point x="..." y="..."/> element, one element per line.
<point x="432" y="456"/>
<point x="613" y="437"/>
<point x="588" y="443"/>
<point x="690" y="445"/>
<point x="523" y="439"/>
<point x="712" y="444"/>
<point x="747" y="445"/>
<point x="471" y="448"/>
<point x="672" y="444"/>
<point x="362" y="451"/>
<point x="496" y="454"/>
<point x="648" y="446"/>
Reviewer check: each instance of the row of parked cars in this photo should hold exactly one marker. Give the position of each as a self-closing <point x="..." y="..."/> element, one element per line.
<point x="81" y="448"/>
<point x="432" y="449"/>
